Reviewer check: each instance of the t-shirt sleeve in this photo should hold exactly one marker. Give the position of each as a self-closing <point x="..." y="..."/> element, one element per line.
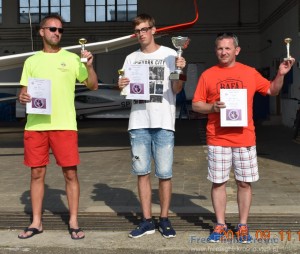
<point x="25" y="75"/>
<point x="262" y="84"/>
<point x="200" y="92"/>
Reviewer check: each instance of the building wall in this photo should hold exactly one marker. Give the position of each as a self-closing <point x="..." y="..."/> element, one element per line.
<point x="285" y="25"/>
<point x="261" y="26"/>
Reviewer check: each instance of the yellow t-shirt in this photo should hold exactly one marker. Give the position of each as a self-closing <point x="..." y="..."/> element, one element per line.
<point x="63" y="69"/>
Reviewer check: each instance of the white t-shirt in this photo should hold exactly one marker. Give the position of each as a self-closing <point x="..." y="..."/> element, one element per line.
<point x="160" y="111"/>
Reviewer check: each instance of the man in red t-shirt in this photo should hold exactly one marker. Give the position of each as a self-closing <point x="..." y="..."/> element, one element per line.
<point x="232" y="146"/>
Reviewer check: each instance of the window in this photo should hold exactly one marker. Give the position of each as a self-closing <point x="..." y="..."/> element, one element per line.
<point x="0" y="11"/>
<point x="110" y="10"/>
<point x="35" y="10"/>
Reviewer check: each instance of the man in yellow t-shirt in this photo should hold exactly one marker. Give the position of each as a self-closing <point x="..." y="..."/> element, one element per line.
<point x="58" y="130"/>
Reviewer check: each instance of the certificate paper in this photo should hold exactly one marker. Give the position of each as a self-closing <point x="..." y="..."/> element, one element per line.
<point x="235" y="114"/>
<point x="138" y="88"/>
<point x="40" y="92"/>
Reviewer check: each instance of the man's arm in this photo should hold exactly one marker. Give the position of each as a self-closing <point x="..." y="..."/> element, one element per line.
<point x="23" y="96"/>
<point x="92" y="81"/>
<point x="207" y="108"/>
<point x="277" y="83"/>
<point x="178" y="84"/>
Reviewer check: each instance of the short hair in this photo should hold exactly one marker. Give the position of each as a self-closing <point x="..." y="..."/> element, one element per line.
<point x="143" y="18"/>
<point x="227" y="35"/>
<point x="50" y="16"/>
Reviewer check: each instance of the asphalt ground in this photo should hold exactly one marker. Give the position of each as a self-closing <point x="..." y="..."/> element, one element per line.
<point x="109" y="206"/>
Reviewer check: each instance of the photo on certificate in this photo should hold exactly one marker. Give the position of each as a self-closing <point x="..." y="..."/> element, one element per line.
<point x="233" y="114"/>
<point x="38" y="102"/>
<point x="137" y="88"/>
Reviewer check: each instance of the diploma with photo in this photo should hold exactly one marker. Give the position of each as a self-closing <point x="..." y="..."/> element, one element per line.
<point x="138" y="87"/>
<point x="40" y="92"/>
<point x="235" y="114"/>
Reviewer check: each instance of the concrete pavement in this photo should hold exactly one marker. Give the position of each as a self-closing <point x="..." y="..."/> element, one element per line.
<point x="108" y="193"/>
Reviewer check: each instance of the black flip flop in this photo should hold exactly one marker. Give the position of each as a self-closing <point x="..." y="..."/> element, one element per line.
<point x="76" y="231"/>
<point x="34" y="231"/>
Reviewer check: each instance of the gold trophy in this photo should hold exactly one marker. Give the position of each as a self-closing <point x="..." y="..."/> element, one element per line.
<point x="121" y="73"/>
<point x="287" y="42"/>
<point x="82" y="42"/>
<point x="180" y="43"/>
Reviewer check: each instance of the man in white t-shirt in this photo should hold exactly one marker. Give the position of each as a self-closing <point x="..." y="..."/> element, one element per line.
<point x="152" y="124"/>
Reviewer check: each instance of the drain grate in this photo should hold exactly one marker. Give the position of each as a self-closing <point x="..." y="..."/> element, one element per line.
<point x="126" y="221"/>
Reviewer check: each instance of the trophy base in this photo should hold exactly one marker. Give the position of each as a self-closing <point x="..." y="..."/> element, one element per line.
<point x="83" y="60"/>
<point x="177" y="76"/>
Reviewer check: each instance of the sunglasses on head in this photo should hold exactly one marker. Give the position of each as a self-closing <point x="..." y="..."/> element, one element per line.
<point x="53" y="29"/>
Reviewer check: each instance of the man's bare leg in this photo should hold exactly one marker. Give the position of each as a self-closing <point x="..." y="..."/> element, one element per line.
<point x="73" y="192"/>
<point x="37" y="189"/>
<point x="145" y="195"/>
<point x="244" y="199"/>
<point x="165" y="193"/>
<point x="219" y="199"/>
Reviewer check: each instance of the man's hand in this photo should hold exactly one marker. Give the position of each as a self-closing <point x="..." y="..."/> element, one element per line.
<point x="180" y="62"/>
<point x="122" y="82"/>
<point x="24" y="97"/>
<point x="286" y="66"/>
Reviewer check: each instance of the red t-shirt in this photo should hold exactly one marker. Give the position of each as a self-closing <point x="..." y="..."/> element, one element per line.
<point x="239" y="76"/>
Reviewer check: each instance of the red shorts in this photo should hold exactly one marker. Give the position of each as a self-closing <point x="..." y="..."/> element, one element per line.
<point x="64" y="146"/>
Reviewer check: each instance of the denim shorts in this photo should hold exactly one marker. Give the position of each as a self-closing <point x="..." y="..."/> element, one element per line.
<point x="151" y="143"/>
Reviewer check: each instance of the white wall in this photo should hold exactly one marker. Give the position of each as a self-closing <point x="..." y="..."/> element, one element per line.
<point x="286" y="26"/>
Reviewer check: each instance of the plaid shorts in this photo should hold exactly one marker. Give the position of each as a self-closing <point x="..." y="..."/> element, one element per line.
<point x="243" y="160"/>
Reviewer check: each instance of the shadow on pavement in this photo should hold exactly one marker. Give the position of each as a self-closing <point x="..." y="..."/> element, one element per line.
<point x="274" y="142"/>
<point x="118" y="198"/>
<point x="52" y="203"/>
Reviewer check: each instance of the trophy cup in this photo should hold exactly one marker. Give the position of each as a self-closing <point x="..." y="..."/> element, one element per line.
<point x="121" y="73"/>
<point x="180" y="43"/>
<point x="82" y="42"/>
<point x="287" y="42"/>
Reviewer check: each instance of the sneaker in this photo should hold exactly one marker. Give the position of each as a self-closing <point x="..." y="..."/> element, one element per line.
<point x="219" y="232"/>
<point x="242" y="233"/>
<point x="144" y="228"/>
<point x="165" y="228"/>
